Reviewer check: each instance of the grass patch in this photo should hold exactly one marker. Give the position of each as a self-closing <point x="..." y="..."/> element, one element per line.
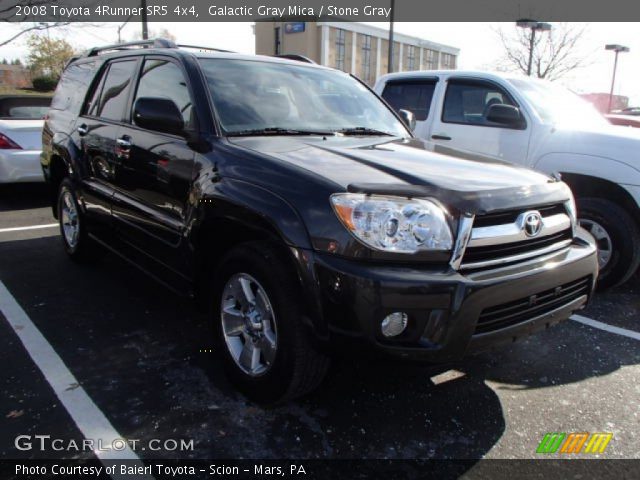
<point x="7" y="90"/>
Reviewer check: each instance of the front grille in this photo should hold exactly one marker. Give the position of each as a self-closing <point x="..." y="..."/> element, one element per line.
<point x="489" y="252"/>
<point x="518" y="311"/>
<point x="510" y="216"/>
<point x="498" y="238"/>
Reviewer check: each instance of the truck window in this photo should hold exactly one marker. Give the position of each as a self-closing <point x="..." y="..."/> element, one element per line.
<point x="412" y="95"/>
<point x="73" y="86"/>
<point x="164" y="79"/>
<point x="110" y="96"/>
<point x="468" y="101"/>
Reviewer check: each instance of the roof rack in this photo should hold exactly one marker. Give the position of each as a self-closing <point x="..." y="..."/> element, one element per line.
<point x="205" y="48"/>
<point x="295" y="56"/>
<point x="154" y="43"/>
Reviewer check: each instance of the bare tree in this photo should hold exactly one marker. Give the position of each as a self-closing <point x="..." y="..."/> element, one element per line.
<point x="555" y="53"/>
<point x="32" y="28"/>
<point x="31" y="23"/>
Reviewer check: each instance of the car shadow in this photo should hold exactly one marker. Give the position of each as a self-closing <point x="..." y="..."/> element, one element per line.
<point x="24" y="196"/>
<point x="144" y="356"/>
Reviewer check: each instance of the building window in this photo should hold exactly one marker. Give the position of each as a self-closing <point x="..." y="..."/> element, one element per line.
<point x="411" y="57"/>
<point x="448" y="61"/>
<point x="340" y="48"/>
<point x="366" y="59"/>
<point x="431" y="60"/>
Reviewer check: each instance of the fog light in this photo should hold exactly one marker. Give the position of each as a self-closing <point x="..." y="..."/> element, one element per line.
<point x="394" y="324"/>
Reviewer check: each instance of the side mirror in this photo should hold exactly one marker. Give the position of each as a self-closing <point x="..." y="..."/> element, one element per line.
<point x="408" y="118"/>
<point x="159" y="114"/>
<point x="506" y="115"/>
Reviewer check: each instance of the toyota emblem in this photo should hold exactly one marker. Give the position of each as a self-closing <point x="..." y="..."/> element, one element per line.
<point x="531" y="223"/>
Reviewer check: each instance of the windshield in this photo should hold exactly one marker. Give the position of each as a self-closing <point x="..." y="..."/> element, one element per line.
<point x="254" y="96"/>
<point x="558" y="105"/>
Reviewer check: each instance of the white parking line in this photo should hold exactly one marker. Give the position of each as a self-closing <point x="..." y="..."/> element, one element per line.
<point x="87" y="416"/>
<point x="30" y="227"/>
<point x="606" y="327"/>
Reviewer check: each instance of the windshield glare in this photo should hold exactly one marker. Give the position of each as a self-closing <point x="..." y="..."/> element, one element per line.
<point x="558" y="105"/>
<point x="250" y="95"/>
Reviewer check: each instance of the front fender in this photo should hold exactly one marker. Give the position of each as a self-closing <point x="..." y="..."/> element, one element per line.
<point x="255" y="207"/>
<point x="257" y="213"/>
<point x="589" y="165"/>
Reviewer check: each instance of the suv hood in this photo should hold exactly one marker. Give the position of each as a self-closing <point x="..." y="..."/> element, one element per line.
<point x="411" y="168"/>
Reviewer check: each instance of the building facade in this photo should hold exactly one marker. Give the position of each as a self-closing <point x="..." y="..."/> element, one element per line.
<point x="356" y="48"/>
<point x="15" y="76"/>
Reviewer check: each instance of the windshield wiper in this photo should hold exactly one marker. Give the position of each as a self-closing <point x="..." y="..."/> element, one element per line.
<point x="364" y="131"/>
<point x="277" y="131"/>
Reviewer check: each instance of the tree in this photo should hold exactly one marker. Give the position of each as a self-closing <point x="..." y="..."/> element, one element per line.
<point x="555" y="53"/>
<point x="162" y="33"/>
<point x="31" y="23"/>
<point x="48" y="56"/>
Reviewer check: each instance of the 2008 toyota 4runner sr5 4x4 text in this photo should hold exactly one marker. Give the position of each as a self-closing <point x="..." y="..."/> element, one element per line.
<point x="296" y="207"/>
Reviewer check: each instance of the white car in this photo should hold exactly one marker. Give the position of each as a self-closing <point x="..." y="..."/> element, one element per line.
<point x="543" y="126"/>
<point x="21" y="121"/>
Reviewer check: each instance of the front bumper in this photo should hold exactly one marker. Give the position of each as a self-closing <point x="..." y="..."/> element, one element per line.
<point x="454" y="313"/>
<point x="20" y="166"/>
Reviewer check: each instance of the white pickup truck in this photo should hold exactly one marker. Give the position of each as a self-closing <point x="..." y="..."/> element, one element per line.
<point x="542" y="126"/>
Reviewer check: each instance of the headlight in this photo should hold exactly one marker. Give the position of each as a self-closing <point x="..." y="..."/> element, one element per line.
<point x="394" y="224"/>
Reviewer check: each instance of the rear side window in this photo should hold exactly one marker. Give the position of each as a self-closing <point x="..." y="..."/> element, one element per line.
<point x="412" y="95"/>
<point x="468" y="101"/>
<point x="72" y="87"/>
<point x="112" y="92"/>
<point x="164" y="79"/>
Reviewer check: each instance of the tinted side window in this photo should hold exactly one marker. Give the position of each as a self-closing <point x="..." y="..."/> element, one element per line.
<point x="114" y="92"/>
<point x="164" y="79"/>
<point x="414" y="96"/>
<point x="72" y="86"/>
<point x="469" y="102"/>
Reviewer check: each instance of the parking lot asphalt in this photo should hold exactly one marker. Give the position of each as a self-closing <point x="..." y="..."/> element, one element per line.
<point x="141" y="354"/>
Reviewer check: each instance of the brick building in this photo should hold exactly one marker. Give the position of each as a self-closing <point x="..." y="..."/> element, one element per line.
<point x="15" y="76"/>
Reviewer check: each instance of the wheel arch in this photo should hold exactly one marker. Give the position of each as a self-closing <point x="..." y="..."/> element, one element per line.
<point x="224" y="223"/>
<point x="589" y="186"/>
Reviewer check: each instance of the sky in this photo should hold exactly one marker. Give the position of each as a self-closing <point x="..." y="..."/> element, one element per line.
<point x="478" y="42"/>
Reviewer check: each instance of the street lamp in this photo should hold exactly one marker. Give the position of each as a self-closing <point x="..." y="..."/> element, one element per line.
<point x="616" y="48"/>
<point x="534" y="27"/>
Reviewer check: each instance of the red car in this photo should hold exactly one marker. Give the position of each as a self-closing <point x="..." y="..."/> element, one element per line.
<point x="624" y="120"/>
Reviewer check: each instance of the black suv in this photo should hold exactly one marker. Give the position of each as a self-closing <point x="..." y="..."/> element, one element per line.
<point x="297" y="208"/>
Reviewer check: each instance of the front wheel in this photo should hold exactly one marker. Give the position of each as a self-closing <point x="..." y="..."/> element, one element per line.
<point x="265" y="346"/>
<point x="617" y="237"/>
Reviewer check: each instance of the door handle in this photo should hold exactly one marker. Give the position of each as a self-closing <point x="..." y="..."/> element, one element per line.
<point x="440" y="137"/>
<point x="124" y="142"/>
<point x="123" y="147"/>
<point x="83" y="130"/>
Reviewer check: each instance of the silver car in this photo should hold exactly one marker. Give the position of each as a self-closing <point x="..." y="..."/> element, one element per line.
<point x="21" y="120"/>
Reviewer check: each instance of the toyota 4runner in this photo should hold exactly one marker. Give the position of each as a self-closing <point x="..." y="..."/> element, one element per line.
<point x="297" y="208"/>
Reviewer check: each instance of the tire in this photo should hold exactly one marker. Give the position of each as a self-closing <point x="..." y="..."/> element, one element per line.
<point x="294" y="366"/>
<point x="611" y="224"/>
<point x="80" y="247"/>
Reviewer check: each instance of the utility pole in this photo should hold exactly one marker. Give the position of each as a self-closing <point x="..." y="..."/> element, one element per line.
<point x="145" y="31"/>
<point x="390" y="58"/>
<point x="617" y="49"/>
<point x="534" y="27"/>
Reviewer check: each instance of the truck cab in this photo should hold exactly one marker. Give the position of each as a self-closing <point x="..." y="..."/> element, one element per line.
<point x="542" y="126"/>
